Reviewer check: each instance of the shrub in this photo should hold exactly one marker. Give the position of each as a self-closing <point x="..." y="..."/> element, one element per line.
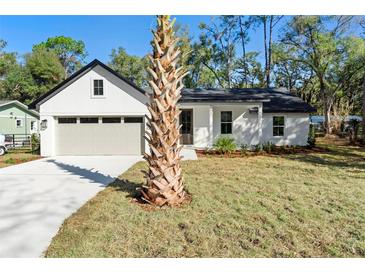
<point x="35" y="143"/>
<point x="225" y="145"/>
<point x="354" y="125"/>
<point x="268" y="147"/>
<point x="243" y="148"/>
<point x="257" y="148"/>
<point x="311" y="142"/>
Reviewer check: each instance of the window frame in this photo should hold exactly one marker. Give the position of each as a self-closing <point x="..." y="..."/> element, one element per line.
<point x="133" y="117"/>
<point x="226" y="123"/>
<point x="91" y="118"/>
<point x="21" y="122"/>
<point x="92" y="84"/>
<point x="32" y="125"/>
<point x="66" y="118"/>
<point x="279" y="126"/>
<point x="109" y="120"/>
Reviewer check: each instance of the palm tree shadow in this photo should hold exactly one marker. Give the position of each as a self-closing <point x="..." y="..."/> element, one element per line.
<point x="94" y="176"/>
<point x="131" y="188"/>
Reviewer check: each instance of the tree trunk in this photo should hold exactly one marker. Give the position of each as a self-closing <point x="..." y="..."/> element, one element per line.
<point x="268" y="69"/>
<point x="326" y="108"/>
<point x="265" y="48"/>
<point x="245" y="71"/>
<point x="363" y="111"/>
<point x="164" y="177"/>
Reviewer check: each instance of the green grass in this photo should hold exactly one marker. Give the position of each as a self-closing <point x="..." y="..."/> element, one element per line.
<point x="265" y="206"/>
<point x="17" y="157"/>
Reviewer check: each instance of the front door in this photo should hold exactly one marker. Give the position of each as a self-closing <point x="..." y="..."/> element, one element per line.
<point x="186" y="130"/>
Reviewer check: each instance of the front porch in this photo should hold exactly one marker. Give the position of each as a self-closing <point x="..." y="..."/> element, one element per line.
<point x="202" y="124"/>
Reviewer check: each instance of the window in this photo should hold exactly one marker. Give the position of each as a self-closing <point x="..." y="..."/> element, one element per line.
<point x="98" y="87"/>
<point x="128" y="120"/>
<point x="67" y="120"/>
<point x="278" y="126"/>
<point x="111" y="120"/>
<point x="32" y="125"/>
<point x="89" y="120"/>
<point x="226" y="122"/>
<point x="19" y="122"/>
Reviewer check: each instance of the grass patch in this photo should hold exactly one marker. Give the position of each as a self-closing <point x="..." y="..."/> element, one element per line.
<point x="15" y="157"/>
<point x="302" y="205"/>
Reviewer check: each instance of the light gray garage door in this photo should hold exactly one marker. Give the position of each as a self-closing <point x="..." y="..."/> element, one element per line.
<point x="99" y="136"/>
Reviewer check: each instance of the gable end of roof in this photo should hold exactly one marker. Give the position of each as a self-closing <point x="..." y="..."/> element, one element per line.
<point x="48" y="95"/>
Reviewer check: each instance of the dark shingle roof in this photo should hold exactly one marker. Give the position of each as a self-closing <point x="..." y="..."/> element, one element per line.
<point x="274" y="99"/>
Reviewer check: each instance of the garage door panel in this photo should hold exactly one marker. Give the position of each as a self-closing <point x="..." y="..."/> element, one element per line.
<point x="99" y="139"/>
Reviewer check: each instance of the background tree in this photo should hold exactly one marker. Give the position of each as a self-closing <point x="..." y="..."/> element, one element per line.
<point x="362" y="24"/>
<point x="268" y="23"/>
<point x="45" y="68"/>
<point x="70" y="52"/>
<point x="7" y="60"/>
<point x="316" y="46"/>
<point x="218" y="40"/>
<point x="164" y="177"/>
<point x="18" y="85"/>
<point x="130" y="66"/>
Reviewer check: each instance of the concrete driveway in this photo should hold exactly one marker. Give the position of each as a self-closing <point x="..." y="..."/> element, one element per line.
<point x="36" y="197"/>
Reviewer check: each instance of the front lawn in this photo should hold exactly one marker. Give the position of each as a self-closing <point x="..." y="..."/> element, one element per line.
<point x="17" y="157"/>
<point x="304" y="205"/>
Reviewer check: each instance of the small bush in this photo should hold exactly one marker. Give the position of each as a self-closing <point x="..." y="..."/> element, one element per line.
<point x="225" y="145"/>
<point x="311" y="142"/>
<point x="243" y="148"/>
<point x="10" y="161"/>
<point x="257" y="148"/>
<point x="35" y="142"/>
<point x="354" y="125"/>
<point x="268" y="147"/>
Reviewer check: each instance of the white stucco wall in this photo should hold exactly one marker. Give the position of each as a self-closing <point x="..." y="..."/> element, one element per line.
<point x="77" y="100"/>
<point x="295" y="132"/>
<point x="245" y="126"/>
<point x="47" y="136"/>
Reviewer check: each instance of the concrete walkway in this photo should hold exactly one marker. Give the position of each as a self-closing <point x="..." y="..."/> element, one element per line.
<point x="36" y="197"/>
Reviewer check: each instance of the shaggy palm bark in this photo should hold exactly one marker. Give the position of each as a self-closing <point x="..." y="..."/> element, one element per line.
<point x="164" y="177"/>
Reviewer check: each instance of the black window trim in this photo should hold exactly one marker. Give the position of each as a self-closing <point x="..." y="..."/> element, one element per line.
<point x="278" y="126"/>
<point x="227" y="122"/>
<point x="94" y="87"/>
<point x="139" y="118"/>
<point x="84" y="121"/>
<point x="109" y="120"/>
<point x="59" y="120"/>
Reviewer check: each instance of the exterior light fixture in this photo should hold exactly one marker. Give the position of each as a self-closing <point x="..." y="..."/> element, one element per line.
<point x="44" y="124"/>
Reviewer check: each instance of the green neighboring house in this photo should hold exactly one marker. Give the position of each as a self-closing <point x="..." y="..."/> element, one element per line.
<point x="16" y="118"/>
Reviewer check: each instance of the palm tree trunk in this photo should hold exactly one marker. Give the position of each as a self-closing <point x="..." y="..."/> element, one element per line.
<point x="164" y="177"/>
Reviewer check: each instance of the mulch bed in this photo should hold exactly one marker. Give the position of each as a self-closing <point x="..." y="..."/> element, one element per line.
<point x="276" y="151"/>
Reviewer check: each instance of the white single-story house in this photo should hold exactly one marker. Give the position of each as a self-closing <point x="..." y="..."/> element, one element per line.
<point x="96" y="111"/>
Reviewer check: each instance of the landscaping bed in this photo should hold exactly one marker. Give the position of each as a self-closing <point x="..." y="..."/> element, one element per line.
<point x="284" y="150"/>
<point x="17" y="157"/>
<point x="295" y="205"/>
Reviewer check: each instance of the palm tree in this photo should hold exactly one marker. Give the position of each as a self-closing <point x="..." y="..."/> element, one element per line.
<point x="164" y="177"/>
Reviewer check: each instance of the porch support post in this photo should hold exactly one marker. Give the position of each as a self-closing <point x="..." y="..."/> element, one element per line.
<point x="260" y="122"/>
<point x="210" y="142"/>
